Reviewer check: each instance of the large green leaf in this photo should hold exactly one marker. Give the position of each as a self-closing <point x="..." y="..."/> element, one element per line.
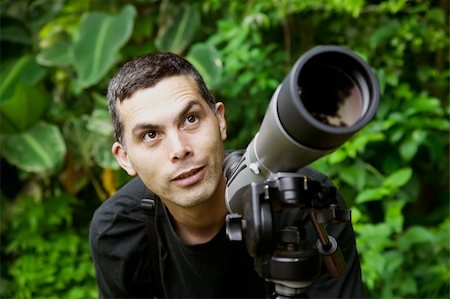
<point x="178" y="29"/>
<point x="24" y="70"/>
<point x="24" y="109"/>
<point x="23" y="100"/>
<point x="207" y="60"/>
<point x="40" y="149"/>
<point x="91" y="139"/>
<point x="101" y="36"/>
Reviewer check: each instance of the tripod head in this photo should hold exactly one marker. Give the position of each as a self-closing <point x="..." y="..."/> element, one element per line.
<point x="282" y="255"/>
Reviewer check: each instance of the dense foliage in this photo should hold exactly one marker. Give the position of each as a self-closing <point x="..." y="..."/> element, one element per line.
<point x="56" y="167"/>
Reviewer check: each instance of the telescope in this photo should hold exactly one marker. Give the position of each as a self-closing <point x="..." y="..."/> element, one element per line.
<point x="329" y="94"/>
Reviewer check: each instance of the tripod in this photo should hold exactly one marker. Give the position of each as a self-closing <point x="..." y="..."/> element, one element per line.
<point x="283" y="256"/>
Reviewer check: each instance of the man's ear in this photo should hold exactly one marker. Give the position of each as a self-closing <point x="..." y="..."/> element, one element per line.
<point x="220" y="114"/>
<point x="121" y="154"/>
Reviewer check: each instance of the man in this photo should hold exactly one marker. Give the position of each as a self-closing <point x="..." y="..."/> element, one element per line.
<point x="169" y="133"/>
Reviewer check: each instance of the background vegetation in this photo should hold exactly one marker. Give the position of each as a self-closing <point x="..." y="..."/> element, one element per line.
<point x="56" y="167"/>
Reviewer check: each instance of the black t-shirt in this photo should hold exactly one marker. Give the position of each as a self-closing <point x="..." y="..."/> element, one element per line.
<point x="220" y="268"/>
<point x="216" y="269"/>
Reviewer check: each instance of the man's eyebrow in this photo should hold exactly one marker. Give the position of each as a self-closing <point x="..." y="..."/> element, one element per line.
<point x="140" y="127"/>
<point x="186" y="109"/>
<point x="143" y="127"/>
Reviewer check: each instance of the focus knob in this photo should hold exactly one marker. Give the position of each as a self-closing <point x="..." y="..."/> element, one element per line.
<point x="234" y="227"/>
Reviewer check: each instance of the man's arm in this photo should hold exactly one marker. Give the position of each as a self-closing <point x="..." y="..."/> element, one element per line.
<point x="108" y="270"/>
<point x="120" y="247"/>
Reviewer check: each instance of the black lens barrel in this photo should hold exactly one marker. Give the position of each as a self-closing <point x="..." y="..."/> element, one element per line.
<point x="325" y="83"/>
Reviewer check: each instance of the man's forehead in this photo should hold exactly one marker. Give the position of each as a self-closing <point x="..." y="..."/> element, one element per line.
<point x="170" y="82"/>
<point x="168" y="99"/>
<point x="166" y="89"/>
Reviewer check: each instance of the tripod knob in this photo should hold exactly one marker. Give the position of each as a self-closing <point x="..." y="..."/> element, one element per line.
<point x="234" y="227"/>
<point x="292" y="235"/>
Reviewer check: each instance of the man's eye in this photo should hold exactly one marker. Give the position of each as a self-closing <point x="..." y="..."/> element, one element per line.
<point x="191" y="119"/>
<point x="150" y="136"/>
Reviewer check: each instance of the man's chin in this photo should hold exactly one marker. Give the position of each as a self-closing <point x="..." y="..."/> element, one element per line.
<point x="193" y="197"/>
<point x="194" y="200"/>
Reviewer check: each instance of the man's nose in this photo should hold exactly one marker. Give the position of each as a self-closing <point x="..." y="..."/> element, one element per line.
<point x="179" y="146"/>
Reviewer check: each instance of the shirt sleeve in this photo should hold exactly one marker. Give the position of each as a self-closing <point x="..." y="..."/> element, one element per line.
<point x="119" y="247"/>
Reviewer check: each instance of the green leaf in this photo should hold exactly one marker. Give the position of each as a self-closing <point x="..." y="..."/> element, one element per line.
<point x="337" y="157"/>
<point x="437" y="15"/>
<point x="24" y="108"/>
<point x="408" y="286"/>
<point x="40" y="149"/>
<point x="365" y="137"/>
<point x="408" y="148"/>
<point x="383" y="33"/>
<point x="16" y="34"/>
<point x="81" y="141"/>
<point x="371" y="195"/>
<point x="91" y="139"/>
<point x="22" y="99"/>
<point x="101" y="36"/>
<point x="354" y="175"/>
<point x="178" y="30"/>
<point x="424" y="103"/>
<point x="393" y="260"/>
<point x="59" y="54"/>
<point x="374" y="237"/>
<point x="398" y="178"/>
<point x="100" y="122"/>
<point x="437" y="123"/>
<point x="100" y="134"/>
<point x="25" y="70"/>
<point x="207" y="60"/>
<point x="103" y="155"/>
<point x="394" y="216"/>
<point x="415" y="235"/>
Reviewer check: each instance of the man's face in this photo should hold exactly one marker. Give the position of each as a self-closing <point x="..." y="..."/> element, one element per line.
<point x="173" y="141"/>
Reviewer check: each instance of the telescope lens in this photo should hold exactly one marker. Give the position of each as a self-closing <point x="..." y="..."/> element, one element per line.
<point x="330" y="95"/>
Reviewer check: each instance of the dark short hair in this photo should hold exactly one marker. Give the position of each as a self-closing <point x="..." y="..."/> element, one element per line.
<point x="147" y="71"/>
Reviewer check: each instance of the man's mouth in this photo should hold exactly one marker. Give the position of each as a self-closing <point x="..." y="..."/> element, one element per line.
<point x="190" y="177"/>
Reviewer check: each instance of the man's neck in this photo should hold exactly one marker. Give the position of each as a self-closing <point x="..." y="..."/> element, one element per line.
<point x="199" y="224"/>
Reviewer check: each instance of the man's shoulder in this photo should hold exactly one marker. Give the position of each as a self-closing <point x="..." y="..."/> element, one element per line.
<point x="123" y="209"/>
<point x="119" y="243"/>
